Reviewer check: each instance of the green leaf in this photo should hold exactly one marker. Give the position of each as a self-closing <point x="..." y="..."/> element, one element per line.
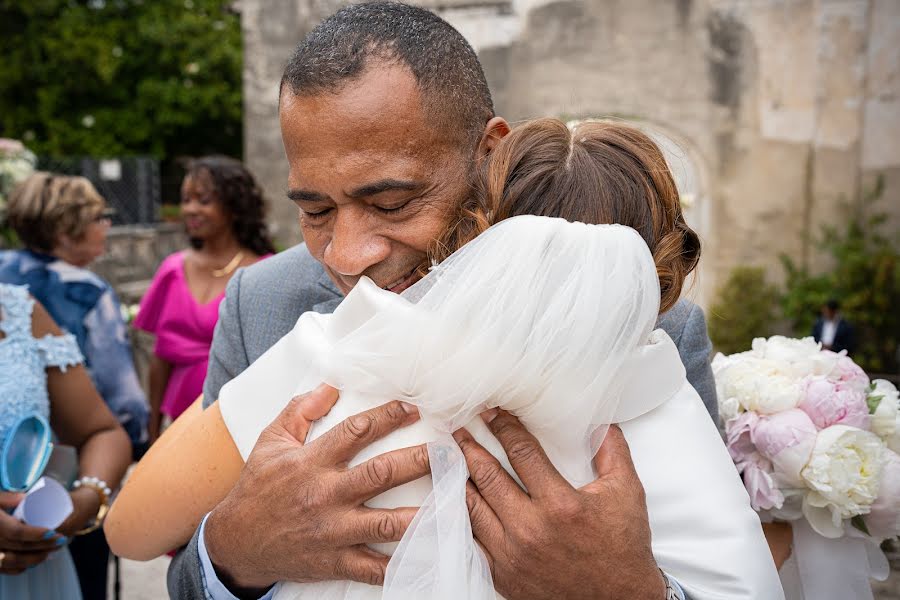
<point x="859" y="523"/>
<point x="873" y="402"/>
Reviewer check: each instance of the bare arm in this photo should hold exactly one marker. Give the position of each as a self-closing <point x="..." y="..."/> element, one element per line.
<point x="185" y="475"/>
<point x="181" y="478"/>
<point x="80" y="418"/>
<point x="160" y="371"/>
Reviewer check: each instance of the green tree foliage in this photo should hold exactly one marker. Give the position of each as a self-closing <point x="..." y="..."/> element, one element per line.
<point x="865" y="278"/>
<point x="117" y="77"/>
<point x="744" y="308"/>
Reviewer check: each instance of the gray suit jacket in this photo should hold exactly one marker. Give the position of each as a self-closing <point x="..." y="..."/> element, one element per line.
<point x="262" y="304"/>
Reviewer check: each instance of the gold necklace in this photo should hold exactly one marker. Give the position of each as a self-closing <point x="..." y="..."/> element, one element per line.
<point x="230" y="267"/>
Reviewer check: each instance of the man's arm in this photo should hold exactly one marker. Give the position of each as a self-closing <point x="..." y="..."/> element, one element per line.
<point x="695" y="348"/>
<point x="228" y="355"/>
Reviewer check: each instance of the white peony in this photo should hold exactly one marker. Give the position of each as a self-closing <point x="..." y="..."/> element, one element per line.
<point x="785" y="349"/>
<point x="843" y="475"/>
<point x="893" y="442"/>
<point x="756" y="384"/>
<point x="796" y="357"/>
<point x="729" y="408"/>
<point x="884" y="419"/>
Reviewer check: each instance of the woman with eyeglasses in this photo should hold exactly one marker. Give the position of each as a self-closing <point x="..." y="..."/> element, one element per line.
<point x="62" y="223"/>
<point x="43" y="383"/>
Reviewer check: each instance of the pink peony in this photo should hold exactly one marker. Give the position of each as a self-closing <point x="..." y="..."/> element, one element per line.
<point x="883" y="519"/>
<point x="755" y="469"/>
<point x="828" y="403"/>
<point x="738" y="436"/>
<point x="848" y="372"/>
<point x="761" y="486"/>
<point x="787" y="439"/>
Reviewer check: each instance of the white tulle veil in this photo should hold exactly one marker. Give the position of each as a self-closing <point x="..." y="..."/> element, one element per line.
<point x="538" y="316"/>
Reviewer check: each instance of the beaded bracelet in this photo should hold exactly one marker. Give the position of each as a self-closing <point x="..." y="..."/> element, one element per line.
<point x="102" y="489"/>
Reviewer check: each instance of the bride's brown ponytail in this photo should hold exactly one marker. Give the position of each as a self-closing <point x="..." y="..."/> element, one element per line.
<point x="598" y="172"/>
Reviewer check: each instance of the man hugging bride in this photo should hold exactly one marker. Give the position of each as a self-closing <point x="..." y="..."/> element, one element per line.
<point x="505" y="286"/>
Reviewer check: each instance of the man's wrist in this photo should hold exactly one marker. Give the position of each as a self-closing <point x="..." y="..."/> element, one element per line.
<point x="242" y="585"/>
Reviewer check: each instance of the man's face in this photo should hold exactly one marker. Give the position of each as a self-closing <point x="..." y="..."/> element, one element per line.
<point x="372" y="179"/>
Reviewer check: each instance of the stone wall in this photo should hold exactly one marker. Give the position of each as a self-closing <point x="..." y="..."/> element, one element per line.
<point x="781" y="110"/>
<point x="134" y="253"/>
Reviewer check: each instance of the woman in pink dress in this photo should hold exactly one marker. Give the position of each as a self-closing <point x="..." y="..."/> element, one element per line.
<point x="224" y="213"/>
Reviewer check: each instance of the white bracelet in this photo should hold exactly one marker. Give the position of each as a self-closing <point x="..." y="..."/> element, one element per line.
<point x="94" y="483"/>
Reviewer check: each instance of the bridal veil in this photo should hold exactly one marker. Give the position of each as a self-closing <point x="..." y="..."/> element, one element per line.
<point x="552" y="321"/>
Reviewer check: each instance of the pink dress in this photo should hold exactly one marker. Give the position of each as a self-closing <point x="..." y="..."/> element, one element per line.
<point x="183" y="329"/>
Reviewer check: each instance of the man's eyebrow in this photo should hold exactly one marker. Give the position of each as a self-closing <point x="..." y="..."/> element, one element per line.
<point x="306" y="196"/>
<point x="385" y="185"/>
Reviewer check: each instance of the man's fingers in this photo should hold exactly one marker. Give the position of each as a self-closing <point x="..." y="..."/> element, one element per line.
<point x="486" y="527"/>
<point x="613" y="460"/>
<point x="319" y="402"/>
<point x="388" y="470"/>
<point x="377" y="525"/>
<point x="499" y="490"/>
<point x="297" y="417"/>
<point x="527" y="457"/>
<point x="362" y="564"/>
<point x="353" y="434"/>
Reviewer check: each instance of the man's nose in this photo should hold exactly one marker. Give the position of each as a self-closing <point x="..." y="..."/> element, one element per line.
<point x="355" y="243"/>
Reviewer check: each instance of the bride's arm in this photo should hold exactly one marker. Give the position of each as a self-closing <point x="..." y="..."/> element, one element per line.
<point x="183" y="476"/>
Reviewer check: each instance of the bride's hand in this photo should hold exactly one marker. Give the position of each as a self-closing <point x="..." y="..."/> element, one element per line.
<point x="555" y="541"/>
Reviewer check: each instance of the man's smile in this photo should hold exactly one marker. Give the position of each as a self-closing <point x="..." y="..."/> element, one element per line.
<point x="403" y="283"/>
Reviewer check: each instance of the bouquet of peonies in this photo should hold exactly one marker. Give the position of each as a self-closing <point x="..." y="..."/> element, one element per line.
<point x="812" y="437"/>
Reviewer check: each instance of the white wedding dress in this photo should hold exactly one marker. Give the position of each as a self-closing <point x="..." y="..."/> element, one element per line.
<point x="552" y="321"/>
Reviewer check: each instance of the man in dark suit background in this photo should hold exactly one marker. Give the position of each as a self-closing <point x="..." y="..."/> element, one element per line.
<point x="833" y="331"/>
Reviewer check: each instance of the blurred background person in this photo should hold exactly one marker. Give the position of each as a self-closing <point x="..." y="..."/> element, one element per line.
<point x="832" y="330"/>
<point x="42" y="373"/>
<point x="61" y="221"/>
<point x="224" y="213"/>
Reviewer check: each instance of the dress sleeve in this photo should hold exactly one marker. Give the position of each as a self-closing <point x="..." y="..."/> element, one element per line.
<point x="154" y="301"/>
<point x="60" y="351"/>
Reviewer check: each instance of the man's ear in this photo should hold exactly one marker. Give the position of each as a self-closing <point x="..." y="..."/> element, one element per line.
<point x="494" y="131"/>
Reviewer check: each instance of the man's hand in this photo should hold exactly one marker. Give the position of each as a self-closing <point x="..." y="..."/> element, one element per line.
<point x="555" y="541"/>
<point x="22" y="546"/>
<point x="297" y="511"/>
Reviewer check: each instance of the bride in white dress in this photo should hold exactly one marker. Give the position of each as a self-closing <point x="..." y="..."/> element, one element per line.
<point x="552" y="321"/>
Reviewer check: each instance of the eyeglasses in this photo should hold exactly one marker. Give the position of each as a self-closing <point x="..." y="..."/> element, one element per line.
<point x="25" y="453"/>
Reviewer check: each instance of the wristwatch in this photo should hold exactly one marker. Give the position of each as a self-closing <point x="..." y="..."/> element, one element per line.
<point x="672" y="592"/>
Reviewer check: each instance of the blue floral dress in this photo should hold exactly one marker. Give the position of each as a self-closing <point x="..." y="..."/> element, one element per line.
<point x="86" y="306"/>
<point x="23" y="390"/>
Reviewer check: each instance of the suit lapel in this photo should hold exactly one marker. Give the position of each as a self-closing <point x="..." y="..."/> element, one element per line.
<point x="327" y="306"/>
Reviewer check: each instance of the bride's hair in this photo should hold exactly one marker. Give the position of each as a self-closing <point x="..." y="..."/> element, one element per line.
<point x="597" y="172"/>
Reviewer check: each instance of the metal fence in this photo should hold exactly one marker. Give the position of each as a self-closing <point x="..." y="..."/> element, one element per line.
<point x="130" y="185"/>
